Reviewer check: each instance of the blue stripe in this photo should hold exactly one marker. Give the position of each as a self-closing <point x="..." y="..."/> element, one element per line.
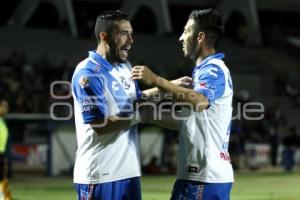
<point x="213" y="82"/>
<point x="126" y="189"/>
<point x="205" y="61"/>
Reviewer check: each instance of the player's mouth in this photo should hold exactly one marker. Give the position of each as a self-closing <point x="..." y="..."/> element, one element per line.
<point x="125" y="49"/>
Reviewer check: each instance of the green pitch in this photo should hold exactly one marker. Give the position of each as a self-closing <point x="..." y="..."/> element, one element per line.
<point x="248" y="186"/>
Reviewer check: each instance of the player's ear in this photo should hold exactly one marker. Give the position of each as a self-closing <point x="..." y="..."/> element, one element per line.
<point x="103" y="36"/>
<point x="201" y="36"/>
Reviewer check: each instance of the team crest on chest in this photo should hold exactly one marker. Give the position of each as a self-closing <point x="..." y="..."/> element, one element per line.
<point x="125" y="82"/>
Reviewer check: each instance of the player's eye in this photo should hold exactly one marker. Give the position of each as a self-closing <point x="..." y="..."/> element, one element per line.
<point x="124" y="33"/>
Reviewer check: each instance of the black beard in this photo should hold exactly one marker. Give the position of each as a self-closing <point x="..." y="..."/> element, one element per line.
<point x="121" y="60"/>
<point x="113" y="55"/>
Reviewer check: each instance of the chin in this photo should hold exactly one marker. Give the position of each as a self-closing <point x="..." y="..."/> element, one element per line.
<point x="122" y="60"/>
<point x="186" y="55"/>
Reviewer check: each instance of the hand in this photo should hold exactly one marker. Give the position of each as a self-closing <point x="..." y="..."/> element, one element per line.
<point x="144" y="74"/>
<point x="184" y="81"/>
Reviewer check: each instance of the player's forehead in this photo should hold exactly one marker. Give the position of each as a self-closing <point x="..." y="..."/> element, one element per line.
<point x="123" y="25"/>
<point x="189" y="24"/>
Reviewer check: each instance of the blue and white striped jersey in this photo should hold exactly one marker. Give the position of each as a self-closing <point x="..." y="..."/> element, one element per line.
<point x="204" y="136"/>
<point x="101" y="90"/>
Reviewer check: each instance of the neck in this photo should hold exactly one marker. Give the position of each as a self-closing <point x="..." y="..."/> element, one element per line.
<point x="204" y="54"/>
<point x="102" y="50"/>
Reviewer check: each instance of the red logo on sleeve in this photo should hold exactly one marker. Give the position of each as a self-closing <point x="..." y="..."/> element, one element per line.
<point x="202" y="85"/>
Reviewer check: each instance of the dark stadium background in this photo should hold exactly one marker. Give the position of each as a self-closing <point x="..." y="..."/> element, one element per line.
<point x="43" y="51"/>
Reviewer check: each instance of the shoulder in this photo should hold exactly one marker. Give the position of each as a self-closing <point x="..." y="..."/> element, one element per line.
<point x="88" y="67"/>
<point x="218" y="63"/>
<point x="211" y="71"/>
<point x="85" y="72"/>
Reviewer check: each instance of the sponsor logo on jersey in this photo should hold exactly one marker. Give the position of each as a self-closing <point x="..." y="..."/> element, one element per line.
<point x="225" y="156"/>
<point x="202" y="85"/>
<point x="193" y="169"/>
<point x="84" y="81"/>
<point x="97" y="69"/>
<point x="88" y="104"/>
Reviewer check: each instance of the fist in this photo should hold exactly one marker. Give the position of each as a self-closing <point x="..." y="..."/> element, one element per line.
<point x="144" y="74"/>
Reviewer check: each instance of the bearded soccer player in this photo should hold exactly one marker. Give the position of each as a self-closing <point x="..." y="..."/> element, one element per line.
<point x="204" y="168"/>
<point x="107" y="165"/>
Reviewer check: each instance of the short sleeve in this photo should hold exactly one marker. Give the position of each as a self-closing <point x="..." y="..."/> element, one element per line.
<point x="88" y="92"/>
<point x="210" y="82"/>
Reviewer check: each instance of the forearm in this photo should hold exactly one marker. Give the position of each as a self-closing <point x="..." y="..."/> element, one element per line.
<point x="181" y="94"/>
<point x="156" y="94"/>
<point x="151" y="92"/>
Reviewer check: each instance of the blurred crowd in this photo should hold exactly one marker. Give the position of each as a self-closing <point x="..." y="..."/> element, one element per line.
<point x="27" y="84"/>
<point x="287" y="86"/>
<point x="272" y="129"/>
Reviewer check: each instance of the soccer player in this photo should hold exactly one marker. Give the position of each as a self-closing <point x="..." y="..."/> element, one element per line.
<point x="107" y="165"/>
<point x="204" y="168"/>
<point x="4" y="188"/>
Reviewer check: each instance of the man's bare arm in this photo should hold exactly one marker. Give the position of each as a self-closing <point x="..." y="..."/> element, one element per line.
<point x="181" y="94"/>
<point x="156" y="94"/>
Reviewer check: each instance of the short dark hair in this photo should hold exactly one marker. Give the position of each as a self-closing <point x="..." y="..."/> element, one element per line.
<point x="210" y="22"/>
<point x="106" y="21"/>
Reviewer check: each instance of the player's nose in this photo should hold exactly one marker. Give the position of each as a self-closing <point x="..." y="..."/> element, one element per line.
<point x="181" y="38"/>
<point x="130" y="39"/>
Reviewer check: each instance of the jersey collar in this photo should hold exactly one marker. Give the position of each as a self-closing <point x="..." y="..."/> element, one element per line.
<point x="205" y="61"/>
<point x="101" y="61"/>
<point x="217" y="56"/>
